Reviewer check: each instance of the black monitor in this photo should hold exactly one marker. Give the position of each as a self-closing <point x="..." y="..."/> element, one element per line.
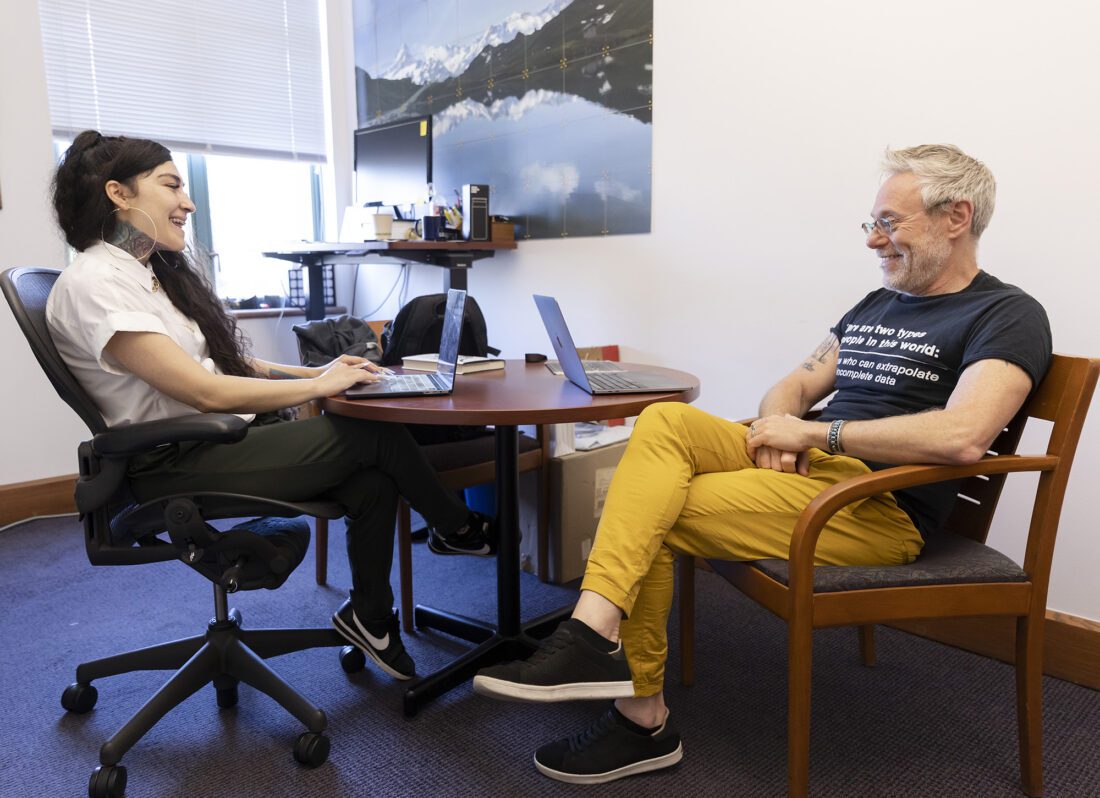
<point x="393" y="162"/>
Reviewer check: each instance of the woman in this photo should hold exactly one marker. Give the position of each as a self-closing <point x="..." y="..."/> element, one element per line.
<point x="148" y="339"/>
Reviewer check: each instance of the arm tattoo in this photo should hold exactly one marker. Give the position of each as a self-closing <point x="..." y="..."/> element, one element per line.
<point x="279" y="374"/>
<point x="824" y="349"/>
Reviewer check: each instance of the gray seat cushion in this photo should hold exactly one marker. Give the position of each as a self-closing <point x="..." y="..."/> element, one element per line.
<point x="945" y="560"/>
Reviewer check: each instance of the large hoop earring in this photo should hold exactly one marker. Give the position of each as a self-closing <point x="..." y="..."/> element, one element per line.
<point x="153" y="224"/>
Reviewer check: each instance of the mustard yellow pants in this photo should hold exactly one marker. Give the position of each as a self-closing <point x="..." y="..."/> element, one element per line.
<point x="686" y="485"/>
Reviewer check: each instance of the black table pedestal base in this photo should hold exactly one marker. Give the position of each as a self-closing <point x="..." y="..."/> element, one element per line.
<point x="508" y="639"/>
<point x="492" y="648"/>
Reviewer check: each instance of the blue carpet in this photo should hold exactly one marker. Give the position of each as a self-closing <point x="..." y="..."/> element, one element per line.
<point x="927" y="721"/>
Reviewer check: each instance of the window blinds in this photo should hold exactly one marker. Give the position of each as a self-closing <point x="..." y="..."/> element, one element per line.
<point x="240" y="77"/>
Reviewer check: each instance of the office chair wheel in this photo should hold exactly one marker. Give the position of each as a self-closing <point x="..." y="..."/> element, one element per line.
<point x="352" y="660"/>
<point x="227" y="697"/>
<point x="79" y="697"/>
<point x="108" y="781"/>
<point x="226" y="688"/>
<point x="311" y="749"/>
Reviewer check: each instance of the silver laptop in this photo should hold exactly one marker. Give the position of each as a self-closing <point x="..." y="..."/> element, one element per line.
<point x="442" y="381"/>
<point x="590" y="366"/>
<point x="596" y="383"/>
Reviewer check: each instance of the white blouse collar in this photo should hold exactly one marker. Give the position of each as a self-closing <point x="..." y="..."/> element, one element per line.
<point x="128" y="264"/>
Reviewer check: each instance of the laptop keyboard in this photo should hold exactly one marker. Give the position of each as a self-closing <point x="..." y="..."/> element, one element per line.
<point x="590" y="366"/>
<point x="611" y="382"/>
<point x="413" y="382"/>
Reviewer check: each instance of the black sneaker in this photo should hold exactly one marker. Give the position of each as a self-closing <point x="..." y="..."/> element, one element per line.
<point x="381" y="641"/>
<point x="479" y="540"/>
<point x="609" y="749"/>
<point x="569" y="665"/>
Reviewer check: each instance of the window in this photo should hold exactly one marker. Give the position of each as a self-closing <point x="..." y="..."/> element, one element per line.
<point x="234" y="89"/>
<point x="255" y="204"/>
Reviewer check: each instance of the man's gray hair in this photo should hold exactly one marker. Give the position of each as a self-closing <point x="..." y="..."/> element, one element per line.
<point x="945" y="174"/>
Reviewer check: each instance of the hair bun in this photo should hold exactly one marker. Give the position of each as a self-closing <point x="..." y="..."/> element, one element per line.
<point x="87" y="140"/>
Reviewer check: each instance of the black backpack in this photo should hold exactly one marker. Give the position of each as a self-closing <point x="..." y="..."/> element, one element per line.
<point x="322" y="340"/>
<point x="418" y="329"/>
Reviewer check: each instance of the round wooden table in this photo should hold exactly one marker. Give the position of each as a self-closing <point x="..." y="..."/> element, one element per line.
<point x="520" y="393"/>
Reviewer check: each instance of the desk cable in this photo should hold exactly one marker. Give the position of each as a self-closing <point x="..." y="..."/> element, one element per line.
<point x="402" y="280"/>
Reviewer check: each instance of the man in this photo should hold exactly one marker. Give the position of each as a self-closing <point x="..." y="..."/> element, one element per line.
<point x="928" y="369"/>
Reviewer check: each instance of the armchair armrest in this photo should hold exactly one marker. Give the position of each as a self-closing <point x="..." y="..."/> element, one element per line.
<point x="139" y="438"/>
<point x="831" y="500"/>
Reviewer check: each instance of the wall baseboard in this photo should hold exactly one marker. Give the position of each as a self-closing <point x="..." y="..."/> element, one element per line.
<point x="1071" y="645"/>
<point x="50" y="496"/>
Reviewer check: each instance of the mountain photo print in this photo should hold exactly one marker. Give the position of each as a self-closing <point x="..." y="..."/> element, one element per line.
<point x="549" y="103"/>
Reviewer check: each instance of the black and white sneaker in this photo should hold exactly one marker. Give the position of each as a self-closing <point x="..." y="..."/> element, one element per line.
<point x="574" y="663"/>
<point x="609" y="749"/>
<point x="478" y="538"/>
<point x="381" y="641"/>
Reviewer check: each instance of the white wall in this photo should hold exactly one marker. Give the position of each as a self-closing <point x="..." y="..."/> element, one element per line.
<point x="768" y="124"/>
<point x="769" y="121"/>
<point x="272" y="339"/>
<point x="39" y="431"/>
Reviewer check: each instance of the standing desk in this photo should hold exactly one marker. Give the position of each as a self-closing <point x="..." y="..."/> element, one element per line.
<point x="521" y="393"/>
<point x="457" y="257"/>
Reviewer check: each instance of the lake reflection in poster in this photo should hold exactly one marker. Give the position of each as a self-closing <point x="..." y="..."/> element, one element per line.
<point x="551" y="105"/>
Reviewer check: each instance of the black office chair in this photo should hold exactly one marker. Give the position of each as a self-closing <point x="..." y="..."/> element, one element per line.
<point x="120" y="531"/>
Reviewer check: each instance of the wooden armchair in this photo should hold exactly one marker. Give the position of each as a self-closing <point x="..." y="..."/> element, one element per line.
<point x="955" y="576"/>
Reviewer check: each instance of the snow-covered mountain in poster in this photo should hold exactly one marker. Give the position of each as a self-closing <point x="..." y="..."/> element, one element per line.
<point x="550" y="104"/>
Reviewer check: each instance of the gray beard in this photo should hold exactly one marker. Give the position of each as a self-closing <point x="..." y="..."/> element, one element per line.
<point x="920" y="268"/>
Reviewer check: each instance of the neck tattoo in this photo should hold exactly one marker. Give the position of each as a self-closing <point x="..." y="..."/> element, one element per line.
<point x="134" y="242"/>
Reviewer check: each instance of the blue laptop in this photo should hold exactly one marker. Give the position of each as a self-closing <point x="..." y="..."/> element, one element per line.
<point x="597" y="383"/>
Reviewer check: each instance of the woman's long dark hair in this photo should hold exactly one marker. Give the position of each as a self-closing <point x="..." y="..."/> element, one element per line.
<point x="86" y="215"/>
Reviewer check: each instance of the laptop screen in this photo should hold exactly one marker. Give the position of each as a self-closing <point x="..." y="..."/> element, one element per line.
<point x="562" y="341"/>
<point x="452" y="332"/>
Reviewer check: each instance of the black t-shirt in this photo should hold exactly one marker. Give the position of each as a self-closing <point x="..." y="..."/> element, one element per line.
<point x="904" y="354"/>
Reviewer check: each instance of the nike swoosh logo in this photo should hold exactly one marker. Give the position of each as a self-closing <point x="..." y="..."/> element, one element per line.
<point x="380" y="643"/>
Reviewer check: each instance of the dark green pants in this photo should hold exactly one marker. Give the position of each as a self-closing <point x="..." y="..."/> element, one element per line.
<point x="363" y="465"/>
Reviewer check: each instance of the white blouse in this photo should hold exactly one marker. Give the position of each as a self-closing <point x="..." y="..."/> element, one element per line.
<point x="106" y="290"/>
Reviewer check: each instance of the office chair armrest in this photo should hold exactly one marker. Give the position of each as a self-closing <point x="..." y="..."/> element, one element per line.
<point x="136" y="439"/>
<point x="834" y="498"/>
<point x="100" y="481"/>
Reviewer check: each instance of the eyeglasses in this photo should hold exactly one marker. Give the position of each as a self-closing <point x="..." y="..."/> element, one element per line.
<point x="886" y="224"/>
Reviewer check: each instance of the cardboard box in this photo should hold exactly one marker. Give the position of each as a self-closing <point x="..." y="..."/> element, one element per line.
<point x="502" y="231"/>
<point x="578" y="490"/>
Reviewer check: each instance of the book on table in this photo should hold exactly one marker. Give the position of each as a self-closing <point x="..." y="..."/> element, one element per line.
<point x="467" y="364"/>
